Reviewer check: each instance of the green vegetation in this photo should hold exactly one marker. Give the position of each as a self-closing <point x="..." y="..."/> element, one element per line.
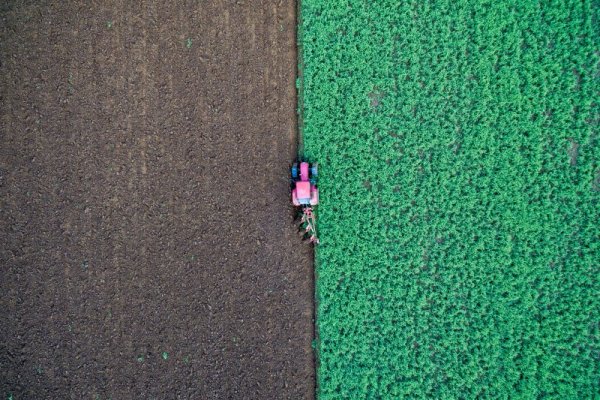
<point x="459" y="175"/>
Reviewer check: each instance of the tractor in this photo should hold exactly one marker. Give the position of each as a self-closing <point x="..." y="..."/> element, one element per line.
<point x="305" y="195"/>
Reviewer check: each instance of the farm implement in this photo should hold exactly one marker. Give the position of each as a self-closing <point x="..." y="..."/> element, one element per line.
<point x="305" y="196"/>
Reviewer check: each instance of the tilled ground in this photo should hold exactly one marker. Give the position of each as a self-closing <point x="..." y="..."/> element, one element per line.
<point x="147" y="243"/>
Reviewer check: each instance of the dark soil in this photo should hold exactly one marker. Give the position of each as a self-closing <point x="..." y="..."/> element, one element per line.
<point x="147" y="249"/>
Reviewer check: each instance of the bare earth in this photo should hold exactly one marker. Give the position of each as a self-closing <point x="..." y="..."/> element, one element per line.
<point x="147" y="247"/>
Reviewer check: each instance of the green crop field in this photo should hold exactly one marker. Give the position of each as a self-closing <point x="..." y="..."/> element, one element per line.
<point x="459" y="220"/>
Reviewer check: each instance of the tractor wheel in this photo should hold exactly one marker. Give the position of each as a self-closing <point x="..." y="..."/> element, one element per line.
<point x="295" y="171"/>
<point x="314" y="170"/>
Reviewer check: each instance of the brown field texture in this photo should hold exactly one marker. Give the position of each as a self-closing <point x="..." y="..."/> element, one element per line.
<point x="148" y="249"/>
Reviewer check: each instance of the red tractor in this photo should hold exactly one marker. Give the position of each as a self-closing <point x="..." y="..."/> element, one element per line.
<point x="304" y="184"/>
<point x="305" y="195"/>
